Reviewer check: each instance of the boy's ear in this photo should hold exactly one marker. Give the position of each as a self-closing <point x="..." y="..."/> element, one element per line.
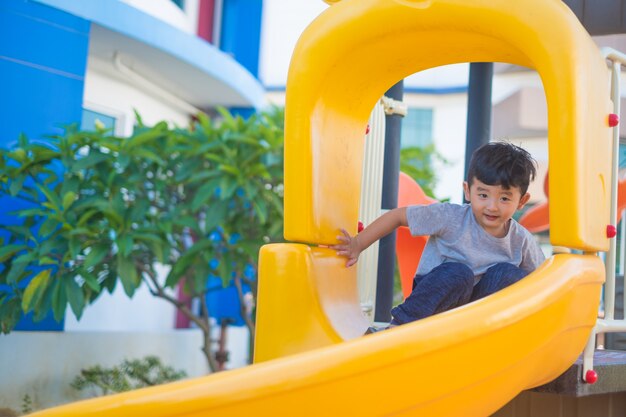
<point x="523" y="201"/>
<point x="466" y="190"/>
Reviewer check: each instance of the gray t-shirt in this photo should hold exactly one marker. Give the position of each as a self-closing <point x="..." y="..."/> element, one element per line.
<point x="456" y="236"/>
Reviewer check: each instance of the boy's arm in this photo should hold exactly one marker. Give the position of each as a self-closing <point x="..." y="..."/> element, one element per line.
<point x="352" y="246"/>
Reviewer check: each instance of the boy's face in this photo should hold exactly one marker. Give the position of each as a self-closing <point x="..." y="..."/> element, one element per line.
<point x="493" y="206"/>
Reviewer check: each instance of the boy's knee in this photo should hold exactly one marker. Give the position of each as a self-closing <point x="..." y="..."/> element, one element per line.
<point x="458" y="269"/>
<point x="460" y="273"/>
<point x="506" y="273"/>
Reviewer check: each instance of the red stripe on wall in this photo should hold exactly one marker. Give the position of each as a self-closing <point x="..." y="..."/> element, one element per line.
<point x="206" y="16"/>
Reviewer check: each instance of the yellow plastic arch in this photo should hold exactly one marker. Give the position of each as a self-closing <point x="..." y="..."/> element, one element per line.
<point x="350" y="55"/>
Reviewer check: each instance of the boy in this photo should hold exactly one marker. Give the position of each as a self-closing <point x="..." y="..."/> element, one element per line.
<point x="474" y="249"/>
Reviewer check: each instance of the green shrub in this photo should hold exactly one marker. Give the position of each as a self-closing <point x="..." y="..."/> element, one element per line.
<point x="129" y="375"/>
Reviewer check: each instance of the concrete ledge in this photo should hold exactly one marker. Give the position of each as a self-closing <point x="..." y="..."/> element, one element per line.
<point x="610" y="366"/>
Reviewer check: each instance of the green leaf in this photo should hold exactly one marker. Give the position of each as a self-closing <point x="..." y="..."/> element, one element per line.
<point x="22" y="140"/>
<point x="139" y="210"/>
<point x="30" y="212"/>
<point x="123" y="160"/>
<point x="49" y="226"/>
<point x="228" y="187"/>
<point x="218" y="212"/>
<point x="138" y="118"/>
<point x="146" y="136"/>
<point x="149" y="155"/>
<point x="90" y="160"/>
<point x="16" y="273"/>
<point x="46" y="260"/>
<point x="75" y="297"/>
<point x="16" y="185"/>
<point x="204" y="193"/>
<point x="230" y="170"/>
<point x="70" y="184"/>
<point x="96" y="255"/>
<point x="91" y="281"/>
<point x="68" y="199"/>
<point x="188" y="221"/>
<point x="53" y="199"/>
<point x="83" y="219"/>
<point x="75" y="247"/>
<point x="177" y="271"/>
<point x="34" y="290"/>
<point x="7" y="251"/>
<point x="125" y="244"/>
<point x="58" y="299"/>
<point x="110" y="281"/>
<point x="260" y="209"/>
<point x="23" y="232"/>
<point x="128" y="274"/>
<point x="157" y="249"/>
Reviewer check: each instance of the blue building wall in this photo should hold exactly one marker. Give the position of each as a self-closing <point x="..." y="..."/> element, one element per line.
<point x="241" y="37"/>
<point x="43" y="60"/>
<point x="241" y="32"/>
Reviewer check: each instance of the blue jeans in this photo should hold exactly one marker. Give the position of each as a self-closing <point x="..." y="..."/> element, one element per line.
<point x="451" y="285"/>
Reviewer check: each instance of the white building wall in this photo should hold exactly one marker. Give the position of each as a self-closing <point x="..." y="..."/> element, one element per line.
<point x="282" y="23"/>
<point x="506" y="84"/>
<point x="43" y="364"/>
<point x="109" y="91"/>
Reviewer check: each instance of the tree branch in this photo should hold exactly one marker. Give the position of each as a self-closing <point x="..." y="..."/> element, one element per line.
<point x="246" y="316"/>
<point x="159" y="291"/>
<point x="204" y="308"/>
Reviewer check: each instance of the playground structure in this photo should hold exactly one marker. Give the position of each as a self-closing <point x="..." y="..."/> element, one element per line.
<point x="310" y="358"/>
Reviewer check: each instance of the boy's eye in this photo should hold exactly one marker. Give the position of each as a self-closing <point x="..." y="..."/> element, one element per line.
<point x="482" y="195"/>
<point x="505" y="199"/>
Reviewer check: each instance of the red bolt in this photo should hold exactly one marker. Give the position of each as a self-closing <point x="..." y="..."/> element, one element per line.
<point x="367" y="129"/>
<point x="591" y="377"/>
<point x="360" y="227"/>
<point x="611" y="231"/>
<point x="613" y="120"/>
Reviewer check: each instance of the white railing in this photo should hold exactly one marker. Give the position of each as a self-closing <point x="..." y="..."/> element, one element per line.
<point x="608" y="324"/>
<point x="371" y="200"/>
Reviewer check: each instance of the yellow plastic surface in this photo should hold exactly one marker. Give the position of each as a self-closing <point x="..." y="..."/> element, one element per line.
<point x="307" y="299"/>
<point x="465" y="362"/>
<point x="354" y="51"/>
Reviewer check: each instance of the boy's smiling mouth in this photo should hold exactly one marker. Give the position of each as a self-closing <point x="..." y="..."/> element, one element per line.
<point x="491" y="217"/>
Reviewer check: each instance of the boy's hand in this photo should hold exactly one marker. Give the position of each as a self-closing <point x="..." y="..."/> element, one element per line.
<point x="349" y="248"/>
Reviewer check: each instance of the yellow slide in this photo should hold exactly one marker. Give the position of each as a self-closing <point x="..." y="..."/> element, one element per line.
<point x="311" y="360"/>
<point x="466" y="362"/>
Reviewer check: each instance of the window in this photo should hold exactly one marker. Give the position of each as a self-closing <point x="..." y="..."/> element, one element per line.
<point x="89" y="118"/>
<point x="179" y="3"/>
<point x="417" y="128"/>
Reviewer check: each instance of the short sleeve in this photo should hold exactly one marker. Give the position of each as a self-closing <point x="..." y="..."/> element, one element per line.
<point x="532" y="255"/>
<point x="428" y="219"/>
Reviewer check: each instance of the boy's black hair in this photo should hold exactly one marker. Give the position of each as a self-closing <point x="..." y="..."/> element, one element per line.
<point x="504" y="164"/>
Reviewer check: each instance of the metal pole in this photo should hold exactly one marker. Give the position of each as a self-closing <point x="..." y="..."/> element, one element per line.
<point x="609" y="286"/>
<point x="478" y="109"/>
<point x="387" y="245"/>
